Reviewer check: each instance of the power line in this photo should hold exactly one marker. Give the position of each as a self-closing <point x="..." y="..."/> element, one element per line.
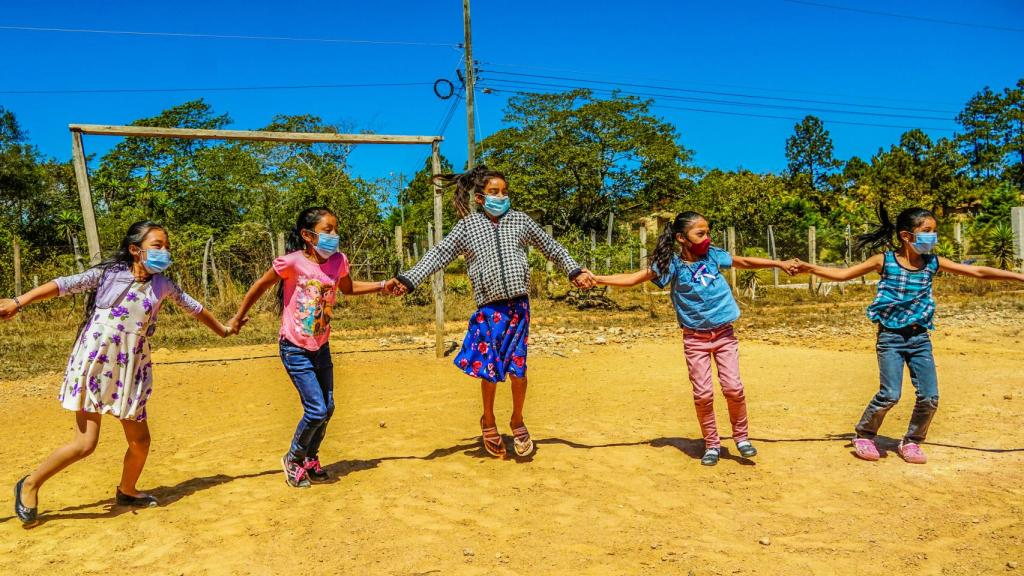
<point x="739" y="86"/>
<point x="233" y="36"/>
<point x="523" y="83"/>
<point x="907" y="16"/>
<point x="751" y="115"/>
<point x="719" y="93"/>
<point x="210" y="88"/>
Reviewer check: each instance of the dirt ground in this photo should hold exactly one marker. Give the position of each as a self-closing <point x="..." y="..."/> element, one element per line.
<point x="614" y="488"/>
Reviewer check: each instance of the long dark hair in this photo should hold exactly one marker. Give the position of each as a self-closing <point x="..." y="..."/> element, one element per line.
<point x="667" y="240"/>
<point x="886" y="235"/>
<point x="467" y="184"/>
<point x="307" y="220"/>
<point x="121" y="259"/>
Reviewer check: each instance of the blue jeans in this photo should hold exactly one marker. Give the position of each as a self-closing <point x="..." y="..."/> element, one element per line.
<point x="312" y="373"/>
<point x="913" y="347"/>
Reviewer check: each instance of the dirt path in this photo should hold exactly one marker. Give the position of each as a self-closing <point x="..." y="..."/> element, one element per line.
<point x="615" y="487"/>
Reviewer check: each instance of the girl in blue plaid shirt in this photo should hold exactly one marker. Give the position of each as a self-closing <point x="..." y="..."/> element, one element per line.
<point x="903" y="310"/>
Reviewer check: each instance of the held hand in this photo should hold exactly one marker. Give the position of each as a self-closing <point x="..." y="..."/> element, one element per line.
<point x="394" y="287"/>
<point x="8" y="309"/>
<point x="584" y="280"/>
<point x="792" y="266"/>
<point x="235" y="324"/>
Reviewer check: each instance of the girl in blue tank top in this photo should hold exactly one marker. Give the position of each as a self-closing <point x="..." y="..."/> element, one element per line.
<point x="903" y="310"/>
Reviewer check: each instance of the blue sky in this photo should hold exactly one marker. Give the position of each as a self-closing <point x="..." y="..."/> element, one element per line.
<point x="775" y="56"/>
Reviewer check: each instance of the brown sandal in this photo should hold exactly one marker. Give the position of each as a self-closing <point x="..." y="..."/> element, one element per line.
<point x="492" y="441"/>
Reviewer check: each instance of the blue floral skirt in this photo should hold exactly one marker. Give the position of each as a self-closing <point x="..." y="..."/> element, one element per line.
<point x="495" y="344"/>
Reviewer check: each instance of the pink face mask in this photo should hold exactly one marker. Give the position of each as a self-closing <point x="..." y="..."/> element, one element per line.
<point x="702" y="248"/>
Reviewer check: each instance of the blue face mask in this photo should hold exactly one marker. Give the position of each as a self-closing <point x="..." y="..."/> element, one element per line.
<point x="924" y="242"/>
<point x="327" y="244"/>
<point x="157" y="260"/>
<point x="496" y="205"/>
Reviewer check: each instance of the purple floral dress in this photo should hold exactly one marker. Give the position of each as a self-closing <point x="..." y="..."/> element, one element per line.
<point x="110" y="369"/>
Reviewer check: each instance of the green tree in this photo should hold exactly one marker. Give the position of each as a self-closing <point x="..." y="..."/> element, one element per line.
<point x="982" y="139"/>
<point x="810" y="163"/>
<point x="575" y="158"/>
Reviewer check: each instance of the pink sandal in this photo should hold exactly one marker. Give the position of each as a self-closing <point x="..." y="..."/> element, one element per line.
<point x="865" y="449"/>
<point x="492" y="441"/>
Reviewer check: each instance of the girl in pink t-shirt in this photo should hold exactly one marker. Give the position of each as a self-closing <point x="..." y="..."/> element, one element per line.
<point x="308" y="278"/>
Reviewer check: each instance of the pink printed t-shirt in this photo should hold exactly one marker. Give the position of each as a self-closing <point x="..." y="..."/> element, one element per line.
<point x="309" y="296"/>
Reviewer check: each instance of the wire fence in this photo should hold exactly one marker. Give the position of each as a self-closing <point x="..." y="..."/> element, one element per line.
<point x="224" y="265"/>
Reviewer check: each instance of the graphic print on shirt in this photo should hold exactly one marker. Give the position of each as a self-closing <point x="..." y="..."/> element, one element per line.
<point x="314" y="306"/>
<point x="703" y="275"/>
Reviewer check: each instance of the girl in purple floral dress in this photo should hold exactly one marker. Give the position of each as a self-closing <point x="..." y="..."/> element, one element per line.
<point x="110" y="369"/>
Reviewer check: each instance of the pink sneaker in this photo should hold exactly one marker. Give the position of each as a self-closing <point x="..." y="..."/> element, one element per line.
<point x="912" y="453"/>
<point x="865" y="449"/>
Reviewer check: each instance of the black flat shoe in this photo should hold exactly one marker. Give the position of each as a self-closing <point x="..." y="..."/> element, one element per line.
<point x="28" y="516"/>
<point x="144" y="501"/>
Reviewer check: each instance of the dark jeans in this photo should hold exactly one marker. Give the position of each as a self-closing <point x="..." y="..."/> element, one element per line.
<point x="913" y="347"/>
<point x="312" y="373"/>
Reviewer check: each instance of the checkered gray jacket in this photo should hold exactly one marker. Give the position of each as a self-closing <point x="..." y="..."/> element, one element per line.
<point x="495" y="255"/>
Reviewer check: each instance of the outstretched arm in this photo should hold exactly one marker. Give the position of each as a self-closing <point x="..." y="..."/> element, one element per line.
<point x="257" y="289"/>
<point x="982" y="272"/>
<point x="435" y="259"/>
<point x="790" y="267"/>
<point x="873" y="264"/>
<point x="351" y="287"/>
<point x="9" y="307"/>
<point x="625" y="280"/>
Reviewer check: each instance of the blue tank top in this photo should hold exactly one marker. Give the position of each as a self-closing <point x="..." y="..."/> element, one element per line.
<point x="905" y="296"/>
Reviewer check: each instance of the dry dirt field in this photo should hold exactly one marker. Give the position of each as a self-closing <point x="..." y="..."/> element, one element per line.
<point x="614" y="488"/>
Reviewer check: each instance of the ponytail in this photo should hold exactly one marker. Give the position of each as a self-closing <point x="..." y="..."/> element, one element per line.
<point x="467" y="185"/>
<point x="885" y="236"/>
<point x="665" y="247"/>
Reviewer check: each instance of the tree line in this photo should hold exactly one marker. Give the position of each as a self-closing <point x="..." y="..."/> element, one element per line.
<point x="572" y="159"/>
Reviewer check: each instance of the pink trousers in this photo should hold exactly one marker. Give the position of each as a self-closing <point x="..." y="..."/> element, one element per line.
<point x="700" y="346"/>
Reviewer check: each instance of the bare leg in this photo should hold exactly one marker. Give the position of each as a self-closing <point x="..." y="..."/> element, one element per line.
<point x="87" y="434"/>
<point x="487" y="392"/>
<point x="518" y="399"/>
<point x="137" y="435"/>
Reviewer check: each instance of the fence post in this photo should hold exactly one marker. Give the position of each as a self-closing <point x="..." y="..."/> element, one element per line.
<point x="399" y="248"/>
<point x="593" y="248"/>
<point x="549" y="267"/>
<point x="731" y="241"/>
<point x="17" y="266"/>
<point x="1017" y="222"/>
<point x="812" y="256"/>
<point x="35" y="281"/>
<point x="644" y="265"/>
<point x="206" y="254"/>
<point x="608" y="242"/>
<point x="773" y="254"/>
<point x="280" y="244"/>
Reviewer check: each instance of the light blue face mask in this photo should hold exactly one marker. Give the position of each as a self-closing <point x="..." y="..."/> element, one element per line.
<point x="327" y="244"/>
<point x="496" y="205"/>
<point x="157" y="260"/>
<point x="924" y="242"/>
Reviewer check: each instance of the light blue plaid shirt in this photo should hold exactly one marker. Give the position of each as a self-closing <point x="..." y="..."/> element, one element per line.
<point x="905" y="295"/>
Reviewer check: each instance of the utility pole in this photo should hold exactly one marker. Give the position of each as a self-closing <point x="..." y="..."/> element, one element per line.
<point x="470" y="87"/>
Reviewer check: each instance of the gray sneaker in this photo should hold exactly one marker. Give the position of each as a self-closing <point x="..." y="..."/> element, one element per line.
<point x="294" y="473"/>
<point x="710" y="457"/>
<point x="746" y="449"/>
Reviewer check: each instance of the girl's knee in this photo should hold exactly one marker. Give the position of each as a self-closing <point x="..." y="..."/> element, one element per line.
<point x="139" y="443"/>
<point x="84" y="447"/>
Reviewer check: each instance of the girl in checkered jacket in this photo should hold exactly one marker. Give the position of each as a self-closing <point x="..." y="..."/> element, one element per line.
<point x="494" y="243"/>
<point x="903" y="311"/>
